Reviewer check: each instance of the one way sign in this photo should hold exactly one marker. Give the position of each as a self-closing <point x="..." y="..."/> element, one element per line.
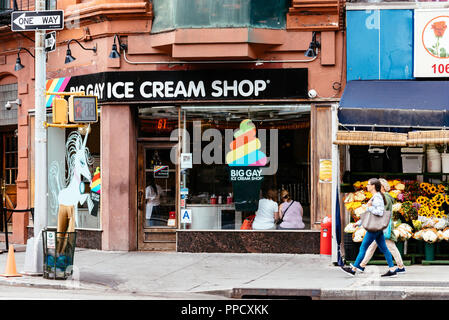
<point x="37" y="20"/>
<point x="50" y="41"/>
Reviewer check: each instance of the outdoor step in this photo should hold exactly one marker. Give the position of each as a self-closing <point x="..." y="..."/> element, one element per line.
<point x="429" y="262"/>
<point x="384" y="262"/>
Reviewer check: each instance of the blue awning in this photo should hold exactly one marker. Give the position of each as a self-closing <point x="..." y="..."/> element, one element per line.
<point x="395" y="103"/>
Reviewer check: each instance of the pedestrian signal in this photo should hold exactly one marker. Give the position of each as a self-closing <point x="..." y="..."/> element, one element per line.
<point x="83" y="109"/>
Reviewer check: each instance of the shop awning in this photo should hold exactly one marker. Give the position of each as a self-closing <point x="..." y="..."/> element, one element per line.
<point x="395" y="104"/>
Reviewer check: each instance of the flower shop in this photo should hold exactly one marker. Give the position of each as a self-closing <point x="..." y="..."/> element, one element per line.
<point x="400" y="136"/>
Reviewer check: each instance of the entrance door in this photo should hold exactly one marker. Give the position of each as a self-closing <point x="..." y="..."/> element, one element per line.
<point x="9" y="188"/>
<point x="157" y="193"/>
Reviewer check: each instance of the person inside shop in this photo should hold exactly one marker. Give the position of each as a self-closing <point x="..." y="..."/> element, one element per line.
<point x="376" y="206"/>
<point x="290" y="213"/>
<point x="266" y="212"/>
<point x="153" y="214"/>
<point x="390" y="238"/>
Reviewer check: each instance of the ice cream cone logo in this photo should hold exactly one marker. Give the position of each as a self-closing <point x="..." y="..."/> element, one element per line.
<point x="96" y="181"/>
<point x="245" y="149"/>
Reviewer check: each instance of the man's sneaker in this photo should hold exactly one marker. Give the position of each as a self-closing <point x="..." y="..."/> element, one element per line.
<point x="348" y="270"/>
<point x="359" y="269"/>
<point x="389" y="274"/>
<point x="399" y="270"/>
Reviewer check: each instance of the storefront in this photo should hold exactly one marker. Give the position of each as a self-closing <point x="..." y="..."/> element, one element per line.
<point x="396" y="130"/>
<point x="391" y="123"/>
<point x="178" y="142"/>
<point x="157" y="68"/>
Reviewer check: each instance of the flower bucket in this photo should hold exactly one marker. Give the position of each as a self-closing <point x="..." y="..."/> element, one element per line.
<point x="400" y="246"/>
<point x="429" y="251"/>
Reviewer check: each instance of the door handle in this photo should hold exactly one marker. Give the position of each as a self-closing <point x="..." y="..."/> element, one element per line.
<point x="140" y="200"/>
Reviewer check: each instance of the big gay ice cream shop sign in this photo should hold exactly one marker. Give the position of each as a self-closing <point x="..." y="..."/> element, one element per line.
<point x="431" y="43"/>
<point x="189" y="85"/>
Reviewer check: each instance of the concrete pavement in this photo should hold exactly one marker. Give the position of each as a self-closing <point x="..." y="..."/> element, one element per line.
<point x="235" y="276"/>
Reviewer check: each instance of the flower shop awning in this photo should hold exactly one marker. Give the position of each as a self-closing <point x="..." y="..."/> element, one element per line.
<point x="395" y="104"/>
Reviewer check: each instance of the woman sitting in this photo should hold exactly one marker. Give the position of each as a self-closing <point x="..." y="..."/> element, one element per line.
<point x="290" y="212"/>
<point x="266" y="212"/>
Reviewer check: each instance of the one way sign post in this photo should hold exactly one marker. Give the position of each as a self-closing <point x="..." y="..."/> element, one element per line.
<point x="37" y="20"/>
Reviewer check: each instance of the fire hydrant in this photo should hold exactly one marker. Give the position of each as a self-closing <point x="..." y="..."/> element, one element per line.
<point x="326" y="236"/>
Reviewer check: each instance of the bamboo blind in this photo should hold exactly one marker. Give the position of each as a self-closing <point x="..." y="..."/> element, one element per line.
<point x="377" y="138"/>
<point x="428" y="137"/>
<point x="373" y="138"/>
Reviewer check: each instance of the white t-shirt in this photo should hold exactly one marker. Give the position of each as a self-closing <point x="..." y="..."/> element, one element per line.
<point x="153" y="199"/>
<point x="265" y="215"/>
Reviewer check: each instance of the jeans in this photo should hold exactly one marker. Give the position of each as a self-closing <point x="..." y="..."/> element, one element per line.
<point x="380" y="240"/>
<point x="391" y="245"/>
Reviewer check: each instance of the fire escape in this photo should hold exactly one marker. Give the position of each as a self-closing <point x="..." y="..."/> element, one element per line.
<point x="8" y="6"/>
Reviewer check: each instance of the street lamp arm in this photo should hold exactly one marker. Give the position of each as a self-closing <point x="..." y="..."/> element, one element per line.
<point x="94" y="49"/>
<point x="21" y="48"/>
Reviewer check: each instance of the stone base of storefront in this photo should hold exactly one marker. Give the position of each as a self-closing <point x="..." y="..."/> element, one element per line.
<point x="222" y="241"/>
<point x="89" y="239"/>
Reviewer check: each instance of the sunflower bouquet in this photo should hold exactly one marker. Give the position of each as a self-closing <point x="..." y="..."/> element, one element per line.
<point x="434" y="202"/>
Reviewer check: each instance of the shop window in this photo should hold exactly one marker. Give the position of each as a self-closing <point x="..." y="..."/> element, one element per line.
<point x="4" y="5"/>
<point x="50" y="4"/>
<point x="177" y="14"/>
<point x="66" y="175"/>
<point x="10" y="159"/>
<point x="215" y="198"/>
<point x="8" y="92"/>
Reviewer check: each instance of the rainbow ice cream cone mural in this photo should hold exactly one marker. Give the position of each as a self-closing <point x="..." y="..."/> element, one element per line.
<point x="95" y="191"/>
<point x="95" y="185"/>
<point x="245" y="149"/>
<point x="245" y="161"/>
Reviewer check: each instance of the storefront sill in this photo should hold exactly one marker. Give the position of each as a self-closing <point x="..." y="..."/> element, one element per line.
<point x="231" y="230"/>
<point x="249" y="241"/>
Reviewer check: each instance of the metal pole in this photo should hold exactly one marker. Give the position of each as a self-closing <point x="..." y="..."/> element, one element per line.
<point x="40" y="143"/>
<point x="184" y="149"/>
<point x="335" y="183"/>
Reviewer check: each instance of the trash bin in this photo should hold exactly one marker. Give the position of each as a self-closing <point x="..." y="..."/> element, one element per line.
<point x="59" y="251"/>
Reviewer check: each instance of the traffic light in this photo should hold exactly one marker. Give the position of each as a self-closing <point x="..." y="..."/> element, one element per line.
<point x="83" y="109"/>
<point x="59" y="110"/>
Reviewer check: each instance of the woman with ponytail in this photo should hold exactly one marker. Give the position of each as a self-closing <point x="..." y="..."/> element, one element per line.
<point x="376" y="206"/>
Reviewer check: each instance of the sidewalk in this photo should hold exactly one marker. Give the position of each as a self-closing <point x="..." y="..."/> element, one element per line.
<point x="236" y="276"/>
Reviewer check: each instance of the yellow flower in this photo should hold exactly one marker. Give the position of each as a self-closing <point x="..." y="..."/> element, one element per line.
<point x="432" y="189"/>
<point x="368" y="194"/>
<point x="357" y="184"/>
<point x="393" y="194"/>
<point x="422" y="200"/>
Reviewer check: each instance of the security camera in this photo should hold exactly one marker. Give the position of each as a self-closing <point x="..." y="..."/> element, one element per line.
<point x="8" y="104"/>
<point x="312" y="93"/>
